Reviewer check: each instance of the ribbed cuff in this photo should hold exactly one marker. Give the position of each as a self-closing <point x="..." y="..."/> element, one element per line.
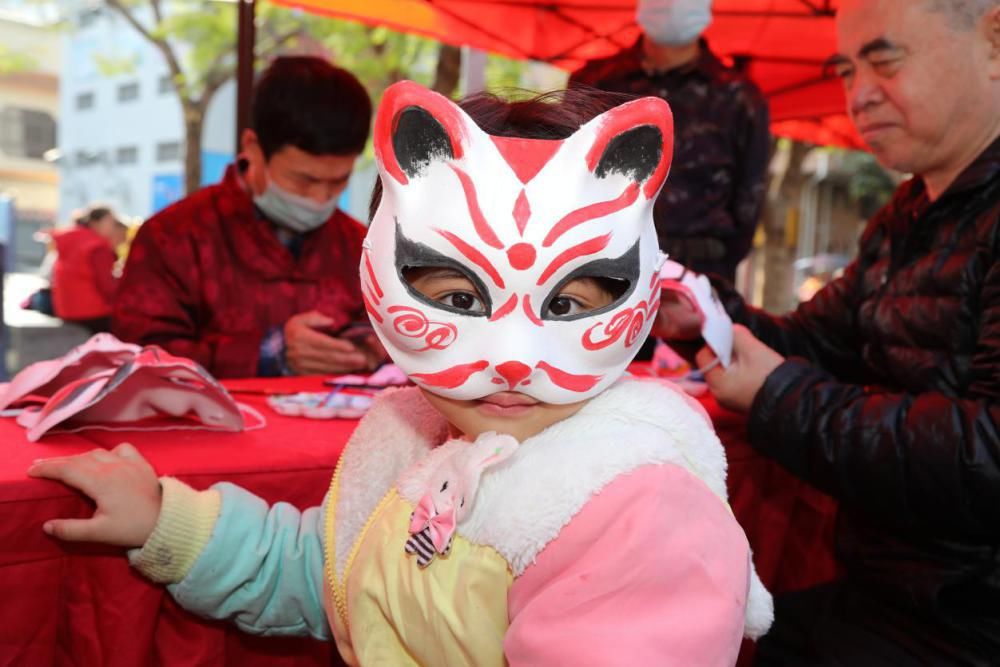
<point x="187" y="519"/>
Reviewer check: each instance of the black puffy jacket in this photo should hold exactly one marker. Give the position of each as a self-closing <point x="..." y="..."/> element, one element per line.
<point x="890" y="402"/>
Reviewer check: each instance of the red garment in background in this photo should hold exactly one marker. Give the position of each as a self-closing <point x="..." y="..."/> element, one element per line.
<point x="207" y="277"/>
<point x="83" y="286"/>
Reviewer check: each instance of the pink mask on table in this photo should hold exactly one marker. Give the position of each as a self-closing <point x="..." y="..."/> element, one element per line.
<point x="101" y="352"/>
<point x="152" y="391"/>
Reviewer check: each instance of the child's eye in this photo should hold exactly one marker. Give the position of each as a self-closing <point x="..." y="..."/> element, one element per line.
<point x="564" y="305"/>
<point x="463" y="301"/>
<point x="447" y="286"/>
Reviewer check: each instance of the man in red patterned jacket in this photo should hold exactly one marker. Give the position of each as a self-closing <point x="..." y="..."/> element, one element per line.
<point x="257" y="275"/>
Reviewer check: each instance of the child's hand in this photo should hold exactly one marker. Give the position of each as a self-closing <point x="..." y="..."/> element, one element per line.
<point x="123" y="485"/>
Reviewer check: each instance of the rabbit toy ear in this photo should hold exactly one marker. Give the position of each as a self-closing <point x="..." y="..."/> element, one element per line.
<point x="492" y="448"/>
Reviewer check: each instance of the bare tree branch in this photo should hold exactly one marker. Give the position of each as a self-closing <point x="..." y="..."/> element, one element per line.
<point x="156" y="11"/>
<point x="213" y="81"/>
<point x="172" y="63"/>
<point x="277" y="41"/>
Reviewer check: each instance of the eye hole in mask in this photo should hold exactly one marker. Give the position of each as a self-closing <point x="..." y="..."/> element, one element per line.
<point x="445" y="287"/>
<point x="584" y="296"/>
<point x="594" y="288"/>
<point x="440" y="281"/>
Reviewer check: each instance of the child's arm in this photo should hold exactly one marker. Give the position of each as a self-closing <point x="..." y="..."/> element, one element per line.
<point x="654" y="570"/>
<point x="224" y="553"/>
<point x="262" y="568"/>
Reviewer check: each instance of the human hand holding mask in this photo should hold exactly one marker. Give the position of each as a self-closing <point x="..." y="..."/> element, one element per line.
<point x="689" y="308"/>
<point x="736" y="385"/>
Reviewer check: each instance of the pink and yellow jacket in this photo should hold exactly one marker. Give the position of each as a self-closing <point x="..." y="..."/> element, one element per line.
<point x="604" y="540"/>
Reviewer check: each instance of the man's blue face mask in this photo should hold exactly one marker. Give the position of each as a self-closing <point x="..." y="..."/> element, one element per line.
<point x="674" y="22"/>
<point x="293" y="212"/>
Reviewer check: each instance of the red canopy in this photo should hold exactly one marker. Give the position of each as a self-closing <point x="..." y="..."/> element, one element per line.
<point x="784" y="42"/>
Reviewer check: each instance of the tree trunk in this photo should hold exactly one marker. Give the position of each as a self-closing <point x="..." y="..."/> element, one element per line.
<point x="449" y="69"/>
<point x="780" y="219"/>
<point x="193" y="119"/>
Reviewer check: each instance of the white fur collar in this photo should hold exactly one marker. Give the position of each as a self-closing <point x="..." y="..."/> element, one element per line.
<point x="633" y="423"/>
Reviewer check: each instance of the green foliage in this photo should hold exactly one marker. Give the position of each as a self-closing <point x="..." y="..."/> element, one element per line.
<point x="112" y="65"/>
<point x="870" y="186"/>
<point x="15" y="61"/>
<point x="204" y="35"/>
<point x="503" y="72"/>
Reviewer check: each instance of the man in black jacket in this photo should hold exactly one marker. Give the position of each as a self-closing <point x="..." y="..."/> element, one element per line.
<point x="884" y="390"/>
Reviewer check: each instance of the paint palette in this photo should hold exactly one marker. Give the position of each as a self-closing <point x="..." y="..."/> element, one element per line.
<point x="334" y="404"/>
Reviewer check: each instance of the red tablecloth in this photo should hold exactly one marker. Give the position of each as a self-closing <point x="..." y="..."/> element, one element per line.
<point x="82" y="605"/>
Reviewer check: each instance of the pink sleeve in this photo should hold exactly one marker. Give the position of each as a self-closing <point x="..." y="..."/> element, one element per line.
<point x="654" y="570"/>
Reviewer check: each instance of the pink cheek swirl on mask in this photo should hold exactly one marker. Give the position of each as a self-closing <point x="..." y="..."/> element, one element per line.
<point x="412" y="323"/>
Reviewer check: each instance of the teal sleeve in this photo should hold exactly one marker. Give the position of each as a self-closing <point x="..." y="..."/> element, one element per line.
<point x="261" y="569"/>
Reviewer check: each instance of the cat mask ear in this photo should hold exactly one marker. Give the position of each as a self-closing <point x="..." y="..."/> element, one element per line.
<point x="415" y="127"/>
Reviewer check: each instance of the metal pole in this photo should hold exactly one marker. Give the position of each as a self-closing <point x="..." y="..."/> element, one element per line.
<point x="244" y="65"/>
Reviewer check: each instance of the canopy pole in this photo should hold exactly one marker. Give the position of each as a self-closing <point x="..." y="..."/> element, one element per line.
<point x="244" y="65"/>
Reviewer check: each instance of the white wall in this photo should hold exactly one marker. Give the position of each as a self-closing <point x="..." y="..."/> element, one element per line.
<point x="154" y="117"/>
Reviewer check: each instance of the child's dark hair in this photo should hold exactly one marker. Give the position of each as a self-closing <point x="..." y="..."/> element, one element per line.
<point x="93" y="214"/>
<point x="306" y="102"/>
<point x="553" y="115"/>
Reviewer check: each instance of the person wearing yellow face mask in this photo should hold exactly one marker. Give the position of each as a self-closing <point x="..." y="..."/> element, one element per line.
<point x="254" y="275"/>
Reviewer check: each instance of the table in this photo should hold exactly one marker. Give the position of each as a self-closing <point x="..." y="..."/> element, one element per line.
<point x="82" y="605"/>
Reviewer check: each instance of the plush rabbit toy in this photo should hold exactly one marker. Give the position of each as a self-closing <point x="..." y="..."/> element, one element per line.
<point x="450" y="479"/>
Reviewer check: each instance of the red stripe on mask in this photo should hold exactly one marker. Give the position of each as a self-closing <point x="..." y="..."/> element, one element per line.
<point x="596" y="244"/>
<point x="371" y="276"/>
<point x="592" y="212"/>
<point x="473" y="256"/>
<point x="569" y="381"/>
<point x="370" y="308"/>
<point x="505" y="309"/>
<point x="451" y="377"/>
<point x="530" y="312"/>
<point x="483" y="228"/>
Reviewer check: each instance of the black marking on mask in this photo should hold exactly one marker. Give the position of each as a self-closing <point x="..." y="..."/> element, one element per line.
<point x="419" y="139"/>
<point x="635" y="153"/>
<point x="413" y="254"/>
<point x="624" y="268"/>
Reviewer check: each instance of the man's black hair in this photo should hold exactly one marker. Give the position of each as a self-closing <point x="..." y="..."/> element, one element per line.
<point x="306" y="102"/>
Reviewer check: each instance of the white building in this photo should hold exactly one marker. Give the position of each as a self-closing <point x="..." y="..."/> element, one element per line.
<point x="121" y="134"/>
<point x="29" y="107"/>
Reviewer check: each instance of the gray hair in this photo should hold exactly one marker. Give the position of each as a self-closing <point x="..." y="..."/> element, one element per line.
<point x="963" y="14"/>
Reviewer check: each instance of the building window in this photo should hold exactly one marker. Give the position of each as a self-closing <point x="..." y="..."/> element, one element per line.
<point x="87" y="158"/>
<point x="26" y="133"/>
<point x="169" y="151"/>
<point x="89" y="17"/>
<point x="128" y="92"/>
<point x="127" y="155"/>
<point x="85" y="101"/>
<point x="166" y="85"/>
